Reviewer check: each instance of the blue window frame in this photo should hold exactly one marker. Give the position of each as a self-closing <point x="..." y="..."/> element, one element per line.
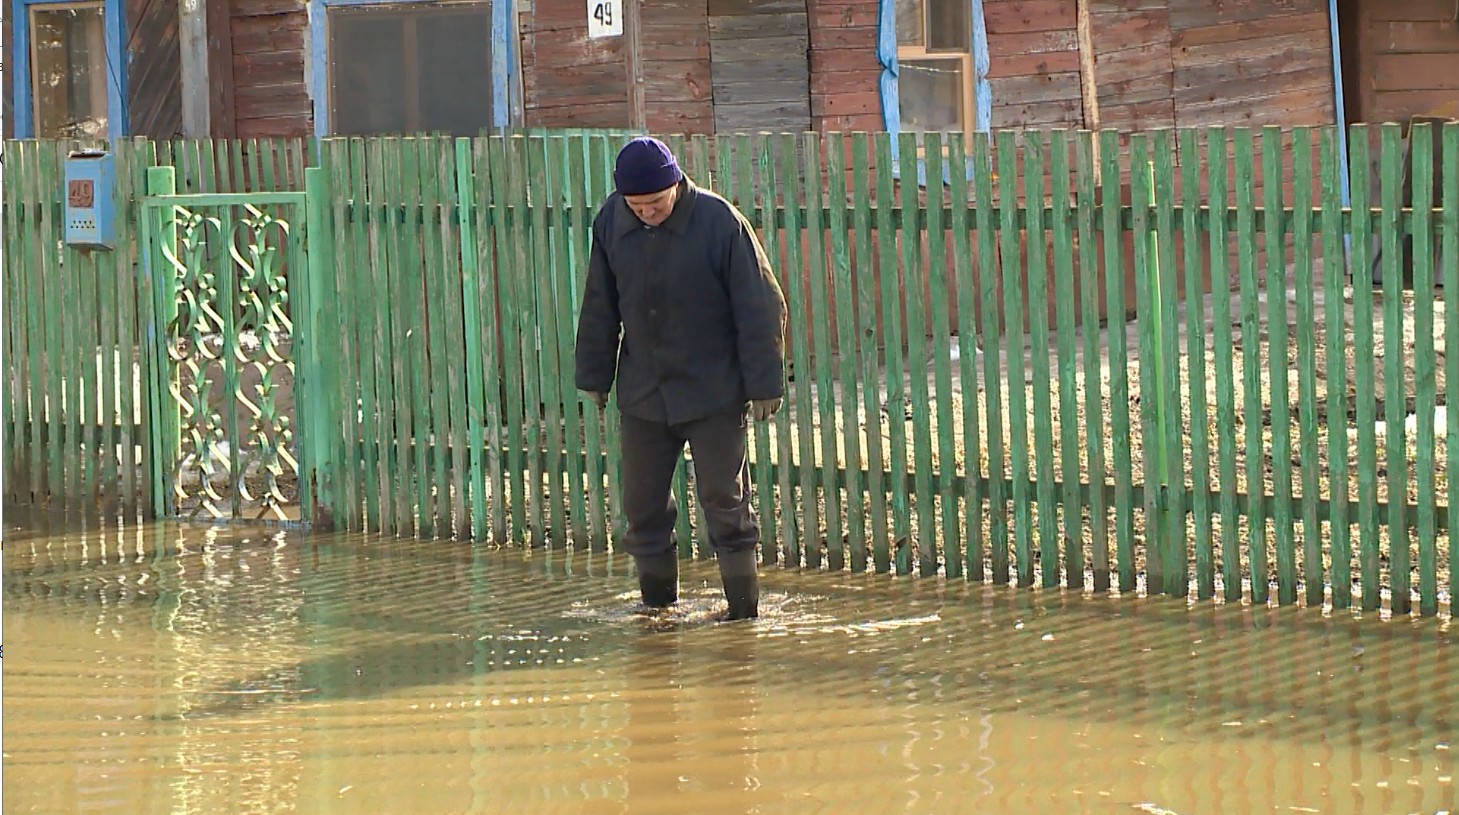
<point x="109" y="63"/>
<point x="980" y="99"/>
<point x="498" y="66"/>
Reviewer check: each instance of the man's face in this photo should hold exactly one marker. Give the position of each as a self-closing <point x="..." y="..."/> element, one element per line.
<point x="656" y="207"/>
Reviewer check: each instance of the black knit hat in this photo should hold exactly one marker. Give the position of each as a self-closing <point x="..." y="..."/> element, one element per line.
<point x="646" y="166"/>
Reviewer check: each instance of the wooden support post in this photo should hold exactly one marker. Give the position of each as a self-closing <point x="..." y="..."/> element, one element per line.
<point x="633" y="61"/>
<point x="1089" y="82"/>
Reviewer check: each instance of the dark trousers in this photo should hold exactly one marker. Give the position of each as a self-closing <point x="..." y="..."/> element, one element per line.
<point x="651" y="450"/>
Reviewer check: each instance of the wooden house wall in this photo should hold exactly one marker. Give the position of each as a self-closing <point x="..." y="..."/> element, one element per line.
<point x="154" y="69"/>
<point x="844" y="71"/>
<point x="1408" y="60"/>
<point x="268" y="68"/>
<point x="569" y="80"/>
<point x="760" y="65"/>
<point x="1252" y="62"/>
<point x="1033" y="69"/>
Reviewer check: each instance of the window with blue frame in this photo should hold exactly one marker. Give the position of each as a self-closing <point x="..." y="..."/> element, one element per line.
<point x="68" y="70"/>
<point x="409" y="67"/>
<point x="935" y="70"/>
<point x="934" y="57"/>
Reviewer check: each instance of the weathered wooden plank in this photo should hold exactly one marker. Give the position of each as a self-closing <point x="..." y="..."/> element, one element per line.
<point x="757" y="27"/>
<point x="1060" y="112"/>
<point x="766" y="47"/>
<point x="1034" y="64"/>
<point x="789" y="65"/>
<point x="737" y="8"/>
<point x="1036" y="42"/>
<point x="1030" y="89"/>
<point x="1208" y="13"/>
<point x="1014" y="332"/>
<point x="1401" y="72"/>
<point x="791" y="92"/>
<point x="1016" y="16"/>
<point x="1272" y="25"/>
<point x="1411" y="10"/>
<point x="774" y="117"/>
<point x="1092" y="377"/>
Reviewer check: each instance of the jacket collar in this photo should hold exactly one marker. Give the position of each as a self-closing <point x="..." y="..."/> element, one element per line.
<point x="678" y="221"/>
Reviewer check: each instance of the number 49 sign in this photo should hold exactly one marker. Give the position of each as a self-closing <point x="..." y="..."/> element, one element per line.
<point x="605" y="18"/>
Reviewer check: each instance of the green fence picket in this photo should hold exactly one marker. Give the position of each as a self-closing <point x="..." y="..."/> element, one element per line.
<point x="1395" y="410"/>
<point x="1036" y="266"/>
<point x="1148" y="329"/>
<point x="1090" y="331"/>
<point x="822" y="358"/>
<point x="867" y="335"/>
<point x="793" y="187"/>
<point x="946" y="470"/>
<point x="548" y="358"/>
<point x="894" y="402"/>
<point x="1013" y="282"/>
<point x="1251" y="361"/>
<point x="1119" y="367"/>
<point x="1065" y="305"/>
<point x="1365" y="396"/>
<point x="1425" y="368"/>
<point x="914" y="288"/>
<point x="1277" y="287"/>
<point x="743" y="172"/>
<point x="965" y="297"/>
<point x="1305" y="289"/>
<point x="386" y="343"/>
<point x="1334" y="281"/>
<point x="1218" y="199"/>
<point x="1193" y="261"/>
<point x="1176" y="557"/>
<point x="988" y="226"/>
<point x="847" y="370"/>
<point x="1450" y="265"/>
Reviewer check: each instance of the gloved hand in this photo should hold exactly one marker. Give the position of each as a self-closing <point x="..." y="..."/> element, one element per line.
<point x="762" y="409"/>
<point x="599" y="398"/>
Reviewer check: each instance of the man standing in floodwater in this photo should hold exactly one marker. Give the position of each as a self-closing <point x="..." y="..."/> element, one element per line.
<point x="684" y="312"/>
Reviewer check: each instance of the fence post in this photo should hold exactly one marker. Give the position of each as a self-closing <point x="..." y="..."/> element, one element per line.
<point x="315" y="379"/>
<point x="162" y="415"/>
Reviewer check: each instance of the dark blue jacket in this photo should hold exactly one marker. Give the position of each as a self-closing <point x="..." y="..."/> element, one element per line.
<point x="686" y="317"/>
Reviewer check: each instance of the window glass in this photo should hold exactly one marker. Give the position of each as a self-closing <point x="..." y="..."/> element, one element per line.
<point x="455" y="72"/>
<point x="410" y="69"/>
<point x="947" y="26"/>
<point x="931" y="92"/>
<point x="68" y="71"/>
<point x="909" y="22"/>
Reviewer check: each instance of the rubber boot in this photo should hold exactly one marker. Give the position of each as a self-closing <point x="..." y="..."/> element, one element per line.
<point x="741" y="578"/>
<point x="658" y="579"/>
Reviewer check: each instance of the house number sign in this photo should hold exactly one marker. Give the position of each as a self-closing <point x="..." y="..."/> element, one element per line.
<point x="605" y="18"/>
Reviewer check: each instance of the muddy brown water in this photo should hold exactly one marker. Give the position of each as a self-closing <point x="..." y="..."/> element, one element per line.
<point x="185" y="669"/>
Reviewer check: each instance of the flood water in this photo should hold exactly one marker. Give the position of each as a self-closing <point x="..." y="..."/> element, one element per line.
<point x="182" y="669"/>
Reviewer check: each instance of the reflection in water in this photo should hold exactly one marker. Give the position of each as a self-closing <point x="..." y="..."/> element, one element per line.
<point x="191" y="670"/>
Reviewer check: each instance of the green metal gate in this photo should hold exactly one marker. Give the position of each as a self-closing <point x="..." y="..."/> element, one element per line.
<point x="226" y="278"/>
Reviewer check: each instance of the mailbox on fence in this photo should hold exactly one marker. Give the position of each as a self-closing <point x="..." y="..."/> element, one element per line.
<point x="91" y="200"/>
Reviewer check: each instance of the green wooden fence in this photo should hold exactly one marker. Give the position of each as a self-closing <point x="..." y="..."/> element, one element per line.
<point x="1099" y="361"/>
